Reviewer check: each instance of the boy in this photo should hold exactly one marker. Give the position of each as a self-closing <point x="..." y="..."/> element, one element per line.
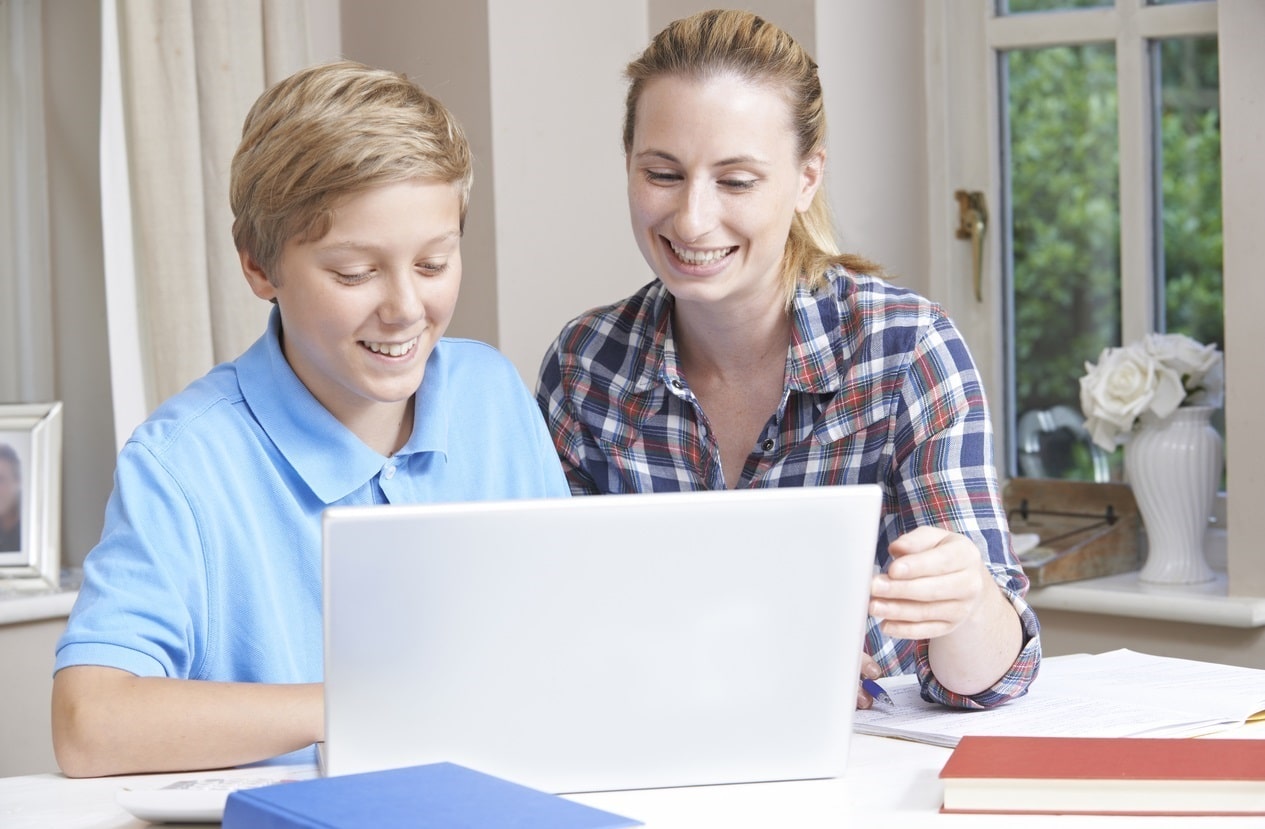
<point x="196" y="638"/>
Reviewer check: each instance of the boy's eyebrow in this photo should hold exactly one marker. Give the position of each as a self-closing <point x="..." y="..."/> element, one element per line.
<point x="356" y="245"/>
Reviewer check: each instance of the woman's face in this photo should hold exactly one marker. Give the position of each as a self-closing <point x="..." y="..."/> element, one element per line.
<point x="714" y="179"/>
<point x="10" y="486"/>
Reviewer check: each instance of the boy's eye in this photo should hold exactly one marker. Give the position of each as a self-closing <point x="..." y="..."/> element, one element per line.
<point x="354" y="278"/>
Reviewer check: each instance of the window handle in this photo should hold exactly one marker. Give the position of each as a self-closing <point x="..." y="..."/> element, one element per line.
<point x="972" y="224"/>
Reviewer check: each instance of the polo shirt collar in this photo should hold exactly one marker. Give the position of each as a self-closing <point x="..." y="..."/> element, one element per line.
<point x="332" y="460"/>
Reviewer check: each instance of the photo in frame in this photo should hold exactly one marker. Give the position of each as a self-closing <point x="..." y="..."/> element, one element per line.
<point x="30" y="492"/>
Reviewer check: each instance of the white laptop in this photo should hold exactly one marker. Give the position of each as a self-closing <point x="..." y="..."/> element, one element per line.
<point x="600" y="643"/>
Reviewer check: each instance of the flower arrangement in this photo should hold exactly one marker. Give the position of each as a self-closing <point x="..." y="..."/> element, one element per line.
<point x="1146" y="381"/>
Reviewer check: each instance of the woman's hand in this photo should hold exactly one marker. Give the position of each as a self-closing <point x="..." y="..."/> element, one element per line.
<point x="869" y="670"/>
<point x="935" y="581"/>
<point x="938" y="588"/>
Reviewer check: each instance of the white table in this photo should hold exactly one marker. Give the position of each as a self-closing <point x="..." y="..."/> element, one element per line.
<point x="890" y="783"/>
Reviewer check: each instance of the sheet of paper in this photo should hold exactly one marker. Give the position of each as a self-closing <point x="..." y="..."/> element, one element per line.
<point x="1116" y="694"/>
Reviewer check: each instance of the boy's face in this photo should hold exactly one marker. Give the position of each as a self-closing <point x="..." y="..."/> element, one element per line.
<point x="362" y="307"/>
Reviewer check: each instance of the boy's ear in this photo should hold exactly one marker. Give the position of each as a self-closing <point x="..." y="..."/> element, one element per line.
<point x="256" y="278"/>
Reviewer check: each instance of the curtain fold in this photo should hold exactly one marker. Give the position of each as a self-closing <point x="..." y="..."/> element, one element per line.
<point x="26" y="336"/>
<point x="190" y="71"/>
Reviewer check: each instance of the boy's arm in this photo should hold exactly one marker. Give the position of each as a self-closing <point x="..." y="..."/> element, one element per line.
<point x="107" y="721"/>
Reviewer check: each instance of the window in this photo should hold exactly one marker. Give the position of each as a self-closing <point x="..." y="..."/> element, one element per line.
<point x="1163" y="97"/>
<point x="1111" y="198"/>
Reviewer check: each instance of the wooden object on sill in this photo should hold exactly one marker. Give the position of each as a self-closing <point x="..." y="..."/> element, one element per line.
<point x="1086" y="530"/>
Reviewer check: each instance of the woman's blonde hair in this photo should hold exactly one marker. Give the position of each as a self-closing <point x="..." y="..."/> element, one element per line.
<point x="721" y="42"/>
<point x="327" y="132"/>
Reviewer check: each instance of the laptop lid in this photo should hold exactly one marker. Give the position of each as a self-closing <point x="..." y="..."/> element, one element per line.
<point x="599" y="643"/>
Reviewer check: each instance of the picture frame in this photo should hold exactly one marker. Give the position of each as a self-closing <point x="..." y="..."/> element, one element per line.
<point x="30" y="492"/>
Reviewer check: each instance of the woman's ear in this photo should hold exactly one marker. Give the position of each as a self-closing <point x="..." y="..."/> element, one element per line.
<point x="813" y="175"/>
<point x="259" y="282"/>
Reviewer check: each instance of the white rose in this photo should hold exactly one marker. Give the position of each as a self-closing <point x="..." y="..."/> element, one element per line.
<point x="1190" y="359"/>
<point x="1125" y="383"/>
<point x="1210" y="389"/>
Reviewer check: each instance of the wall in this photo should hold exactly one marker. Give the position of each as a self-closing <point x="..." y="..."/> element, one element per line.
<point x="1064" y="632"/>
<point x="26" y="742"/>
<point x="563" y="243"/>
<point x="871" y="60"/>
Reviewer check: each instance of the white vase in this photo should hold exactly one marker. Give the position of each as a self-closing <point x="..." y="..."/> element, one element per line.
<point x="1174" y="466"/>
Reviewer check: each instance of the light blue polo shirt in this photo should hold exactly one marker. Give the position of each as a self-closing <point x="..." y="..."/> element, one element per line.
<point x="209" y="566"/>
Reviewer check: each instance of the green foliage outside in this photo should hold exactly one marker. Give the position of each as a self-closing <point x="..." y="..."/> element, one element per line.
<point x="1064" y="197"/>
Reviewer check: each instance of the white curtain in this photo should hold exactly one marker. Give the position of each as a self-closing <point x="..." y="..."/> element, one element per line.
<point x="26" y="337"/>
<point x="187" y="72"/>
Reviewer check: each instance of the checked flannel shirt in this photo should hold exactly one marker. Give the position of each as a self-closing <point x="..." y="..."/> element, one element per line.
<point x="880" y="388"/>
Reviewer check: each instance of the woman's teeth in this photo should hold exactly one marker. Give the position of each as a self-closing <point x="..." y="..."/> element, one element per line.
<point x="700" y="257"/>
<point x="392" y="349"/>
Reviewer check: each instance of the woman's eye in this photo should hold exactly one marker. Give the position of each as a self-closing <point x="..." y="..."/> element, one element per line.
<point x="738" y="183"/>
<point x="660" y="177"/>
<point x="433" y="268"/>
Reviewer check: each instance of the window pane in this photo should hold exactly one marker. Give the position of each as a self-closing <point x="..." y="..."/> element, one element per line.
<point x="1188" y="209"/>
<point x="1063" y="246"/>
<point x="1189" y="159"/>
<point x="1022" y="6"/>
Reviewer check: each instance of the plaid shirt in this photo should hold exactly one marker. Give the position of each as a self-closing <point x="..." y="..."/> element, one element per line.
<point x="880" y="388"/>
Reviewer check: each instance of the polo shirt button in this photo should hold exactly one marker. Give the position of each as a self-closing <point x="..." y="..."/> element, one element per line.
<point x="389" y="472"/>
<point x="768" y="444"/>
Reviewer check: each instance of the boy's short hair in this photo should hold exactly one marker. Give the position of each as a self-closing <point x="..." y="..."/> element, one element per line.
<point x="329" y="131"/>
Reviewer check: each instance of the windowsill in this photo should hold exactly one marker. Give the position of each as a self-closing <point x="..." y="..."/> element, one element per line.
<point x="1123" y="595"/>
<point x="34" y="601"/>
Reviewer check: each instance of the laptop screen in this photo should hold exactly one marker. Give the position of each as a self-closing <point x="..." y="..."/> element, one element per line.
<point x="600" y="643"/>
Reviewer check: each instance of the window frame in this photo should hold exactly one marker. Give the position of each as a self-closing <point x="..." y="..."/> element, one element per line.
<point x="963" y="42"/>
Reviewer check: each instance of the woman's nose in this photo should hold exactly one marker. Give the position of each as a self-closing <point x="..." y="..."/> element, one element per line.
<point x="696" y="213"/>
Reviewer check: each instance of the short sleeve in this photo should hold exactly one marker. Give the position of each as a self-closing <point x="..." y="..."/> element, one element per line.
<point x="141" y="607"/>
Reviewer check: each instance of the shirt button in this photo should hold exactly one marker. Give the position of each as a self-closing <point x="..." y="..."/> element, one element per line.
<point x="768" y="444"/>
<point x="388" y="472"/>
<point x="677" y="384"/>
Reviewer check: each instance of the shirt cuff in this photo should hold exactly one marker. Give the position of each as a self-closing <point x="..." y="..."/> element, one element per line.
<point x="1014" y="683"/>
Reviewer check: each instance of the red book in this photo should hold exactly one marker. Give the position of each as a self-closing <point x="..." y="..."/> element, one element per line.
<point x="1114" y="775"/>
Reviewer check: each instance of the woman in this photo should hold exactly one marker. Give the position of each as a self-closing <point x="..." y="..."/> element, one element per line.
<point x="761" y="356"/>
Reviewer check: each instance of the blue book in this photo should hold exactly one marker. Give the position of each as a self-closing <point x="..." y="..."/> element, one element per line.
<point x="436" y="796"/>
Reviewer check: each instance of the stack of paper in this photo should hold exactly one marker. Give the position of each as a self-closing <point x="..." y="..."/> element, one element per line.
<point x="1116" y="694"/>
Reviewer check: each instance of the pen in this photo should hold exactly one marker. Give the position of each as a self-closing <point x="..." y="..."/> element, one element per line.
<point x="875" y="690"/>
